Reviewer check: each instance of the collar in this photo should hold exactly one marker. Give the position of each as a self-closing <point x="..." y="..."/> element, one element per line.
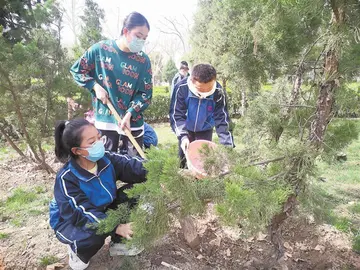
<point x="85" y="175"/>
<point x="200" y="94"/>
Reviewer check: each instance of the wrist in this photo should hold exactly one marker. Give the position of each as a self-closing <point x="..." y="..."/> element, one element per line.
<point x="131" y="111"/>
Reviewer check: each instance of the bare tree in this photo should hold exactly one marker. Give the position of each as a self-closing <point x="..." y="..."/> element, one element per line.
<point x="72" y="10"/>
<point x="172" y="26"/>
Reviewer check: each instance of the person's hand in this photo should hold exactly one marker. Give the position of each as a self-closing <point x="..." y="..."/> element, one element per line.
<point x="125" y="122"/>
<point x="101" y="93"/>
<point x="184" y="144"/>
<point x="124" y="230"/>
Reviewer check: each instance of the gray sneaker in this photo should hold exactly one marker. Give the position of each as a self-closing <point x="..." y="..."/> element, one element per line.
<point x="118" y="249"/>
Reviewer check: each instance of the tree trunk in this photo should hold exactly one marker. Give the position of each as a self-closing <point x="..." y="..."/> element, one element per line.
<point x="10" y="141"/>
<point x="295" y="91"/>
<point x="323" y="113"/>
<point x="326" y="99"/>
<point x="224" y="83"/>
<point x="44" y="165"/>
<point x="190" y="233"/>
<point x="70" y="111"/>
<point x="243" y="101"/>
<point x="277" y="221"/>
<point x="22" y="122"/>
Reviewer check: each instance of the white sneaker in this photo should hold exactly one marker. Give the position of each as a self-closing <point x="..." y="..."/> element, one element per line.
<point x="75" y="262"/>
<point x="118" y="249"/>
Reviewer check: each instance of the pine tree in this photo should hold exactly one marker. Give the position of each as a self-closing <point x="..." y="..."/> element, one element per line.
<point x="91" y="30"/>
<point x="285" y="131"/>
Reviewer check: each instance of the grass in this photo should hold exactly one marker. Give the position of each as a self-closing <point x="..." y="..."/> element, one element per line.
<point x="24" y="203"/>
<point x="19" y="199"/>
<point x="338" y="196"/>
<point x="4" y="235"/>
<point x="48" y="260"/>
<point x="355" y="208"/>
<point x="161" y="91"/>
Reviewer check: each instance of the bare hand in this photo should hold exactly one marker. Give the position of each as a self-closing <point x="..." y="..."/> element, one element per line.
<point x="101" y="93"/>
<point x="125" y="123"/>
<point x="185" y="144"/>
<point x="124" y="230"/>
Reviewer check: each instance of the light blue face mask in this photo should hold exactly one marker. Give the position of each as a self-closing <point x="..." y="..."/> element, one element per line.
<point x="136" y="44"/>
<point x="96" y="151"/>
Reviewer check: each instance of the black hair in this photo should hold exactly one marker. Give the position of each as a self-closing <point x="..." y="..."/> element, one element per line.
<point x="67" y="136"/>
<point x="184" y="63"/>
<point x="133" y="20"/>
<point x="203" y="73"/>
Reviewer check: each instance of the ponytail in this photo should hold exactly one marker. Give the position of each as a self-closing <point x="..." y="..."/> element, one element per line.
<point x="60" y="150"/>
<point x="67" y="136"/>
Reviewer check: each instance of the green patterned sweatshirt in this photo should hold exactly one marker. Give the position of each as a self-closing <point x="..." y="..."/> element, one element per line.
<point x="125" y="76"/>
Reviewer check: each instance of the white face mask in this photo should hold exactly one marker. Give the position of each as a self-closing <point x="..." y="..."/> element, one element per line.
<point x="200" y="94"/>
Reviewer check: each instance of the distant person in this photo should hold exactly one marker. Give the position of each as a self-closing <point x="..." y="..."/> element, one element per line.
<point x="120" y="71"/>
<point x="183" y="73"/>
<point x="85" y="188"/>
<point x="198" y="105"/>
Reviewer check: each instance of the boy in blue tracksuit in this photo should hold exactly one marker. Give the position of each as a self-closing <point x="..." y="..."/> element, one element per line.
<point x="85" y="188"/>
<point x="198" y="104"/>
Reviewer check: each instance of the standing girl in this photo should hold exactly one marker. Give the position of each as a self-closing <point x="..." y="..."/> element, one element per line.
<point x="120" y="71"/>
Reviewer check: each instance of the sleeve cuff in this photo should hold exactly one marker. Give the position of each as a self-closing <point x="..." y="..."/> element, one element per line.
<point x="90" y="85"/>
<point x="132" y="111"/>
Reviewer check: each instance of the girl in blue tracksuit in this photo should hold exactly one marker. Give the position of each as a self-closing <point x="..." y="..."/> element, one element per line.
<point x="198" y="104"/>
<point x="85" y="187"/>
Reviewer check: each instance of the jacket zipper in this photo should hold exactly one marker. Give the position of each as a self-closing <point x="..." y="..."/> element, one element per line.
<point x="197" y="115"/>
<point x="105" y="189"/>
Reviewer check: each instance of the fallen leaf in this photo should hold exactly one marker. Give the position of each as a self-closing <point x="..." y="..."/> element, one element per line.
<point x="215" y="242"/>
<point x="250" y="240"/>
<point x="287" y="246"/>
<point x="320" y="248"/>
<point x="301" y="246"/>
<point x="200" y="257"/>
<point x="261" y="236"/>
<point x="228" y="252"/>
<point x="54" y="266"/>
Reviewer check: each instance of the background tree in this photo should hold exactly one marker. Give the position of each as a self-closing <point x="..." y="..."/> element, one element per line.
<point x="34" y="88"/>
<point x="91" y="24"/>
<point x="169" y="71"/>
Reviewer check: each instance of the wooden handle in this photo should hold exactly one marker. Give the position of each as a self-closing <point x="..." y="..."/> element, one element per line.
<point x="127" y="131"/>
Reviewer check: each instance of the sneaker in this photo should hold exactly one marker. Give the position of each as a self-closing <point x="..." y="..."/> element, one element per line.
<point x="75" y="262"/>
<point x="118" y="249"/>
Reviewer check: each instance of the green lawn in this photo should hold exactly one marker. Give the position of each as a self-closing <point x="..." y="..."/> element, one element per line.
<point x="338" y="193"/>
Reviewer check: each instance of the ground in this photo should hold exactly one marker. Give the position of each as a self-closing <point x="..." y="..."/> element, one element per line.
<point x="27" y="241"/>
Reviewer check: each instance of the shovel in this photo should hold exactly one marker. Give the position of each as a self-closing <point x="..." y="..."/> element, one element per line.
<point x="127" y="131"/>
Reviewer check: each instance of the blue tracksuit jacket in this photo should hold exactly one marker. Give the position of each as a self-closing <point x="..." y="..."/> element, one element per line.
<point x="82" y="197"/>
<point x="188" y="112"/>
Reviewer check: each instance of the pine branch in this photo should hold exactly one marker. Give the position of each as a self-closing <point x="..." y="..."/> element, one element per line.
<point x="265" y="161"/>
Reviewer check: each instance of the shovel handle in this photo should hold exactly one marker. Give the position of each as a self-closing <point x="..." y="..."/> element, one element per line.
<point x="127" y="131"/>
